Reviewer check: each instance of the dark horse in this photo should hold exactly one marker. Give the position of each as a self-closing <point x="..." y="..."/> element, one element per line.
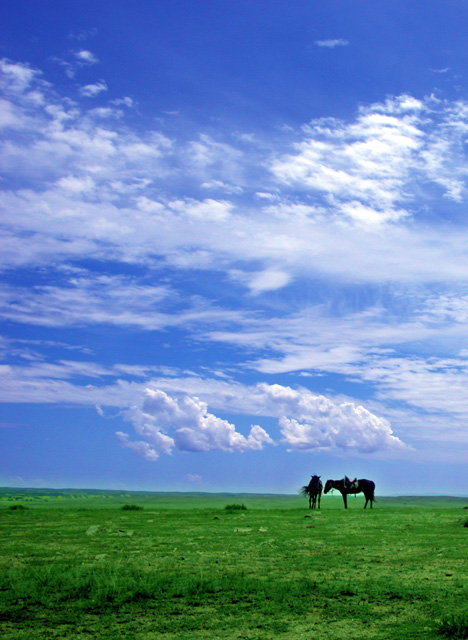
<point x="346" y="486"/>
<point x="313" y="490"/>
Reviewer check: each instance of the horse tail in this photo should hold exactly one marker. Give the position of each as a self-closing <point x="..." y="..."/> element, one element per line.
<point x="304" y="491"/>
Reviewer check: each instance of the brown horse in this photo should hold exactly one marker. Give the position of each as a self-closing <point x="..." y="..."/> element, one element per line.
<point x="314" y="491"/>
<point x="346" y="486"/>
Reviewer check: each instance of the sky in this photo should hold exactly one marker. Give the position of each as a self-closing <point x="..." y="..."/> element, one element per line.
<point x="234" y="244"/>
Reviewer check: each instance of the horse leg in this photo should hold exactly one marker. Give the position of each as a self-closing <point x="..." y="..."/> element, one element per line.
<point x="345" y="500"/>
<point x="319" y="500"/>
<point x="369" y="498"/>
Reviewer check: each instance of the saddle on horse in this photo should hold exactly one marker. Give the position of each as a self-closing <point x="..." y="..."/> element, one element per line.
<point x="351" y="484"/>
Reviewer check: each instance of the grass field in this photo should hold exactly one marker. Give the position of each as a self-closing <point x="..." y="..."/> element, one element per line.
<point x="75" y="564"/>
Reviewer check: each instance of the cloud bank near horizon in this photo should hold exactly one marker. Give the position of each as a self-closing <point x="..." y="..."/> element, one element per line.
<point x="307" y="423"/>
<point x="185" y="424"/>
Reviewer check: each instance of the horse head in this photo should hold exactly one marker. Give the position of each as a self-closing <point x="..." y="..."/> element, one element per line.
<point x="328" y="486"/>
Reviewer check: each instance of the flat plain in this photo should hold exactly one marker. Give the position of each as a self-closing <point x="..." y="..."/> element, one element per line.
<point x="80" y="564"/>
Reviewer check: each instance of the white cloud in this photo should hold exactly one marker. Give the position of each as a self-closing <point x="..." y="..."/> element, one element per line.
<point x="87" y="300"/>
<point x="331" y="44"/>
<point x="219" y="185"/>
<point x="208" y="158"/>
<point x="367" y="164"/>
<point x="76" y="60"/>
<point x="207" y="210"/>
<point x="307" y="421"/>
<point x="76" y="185"/>
<point x="186" y="425"/>
<point x="310" y="422"/>
<point x="92" y="90"/>
<point x="9" y="118"/>
<point x="194" y="478"/>
<point x="86" y="57"/>
<point x="15" y="76"/>
<point x="268" y="280"/>
<point x="437" y="386"/>
<point x="141" y="448"/>
<point x="345" y="426"/>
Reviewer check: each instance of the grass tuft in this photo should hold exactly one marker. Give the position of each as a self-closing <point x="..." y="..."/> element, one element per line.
<point x="235" y="507"/>
<point x="132" y="507"/>
<point x="454" y="625"/>
<point x="18" y="507"/>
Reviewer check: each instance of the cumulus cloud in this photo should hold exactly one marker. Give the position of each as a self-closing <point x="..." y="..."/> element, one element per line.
<point x="185" y="424"/>
<point x="345" y="426"/>
<point x="311" y="422"/>
<point x="308" y="422"/>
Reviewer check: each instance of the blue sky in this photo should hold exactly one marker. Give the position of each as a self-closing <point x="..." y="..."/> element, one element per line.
<point x="234" y="246"/>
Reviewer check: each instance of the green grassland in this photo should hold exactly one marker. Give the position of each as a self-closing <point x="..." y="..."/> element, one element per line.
<point x="76" y="564"/>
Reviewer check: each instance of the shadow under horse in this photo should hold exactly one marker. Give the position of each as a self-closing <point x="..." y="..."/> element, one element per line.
<point x="314" y="491"/>
<point x="346" y="487"/>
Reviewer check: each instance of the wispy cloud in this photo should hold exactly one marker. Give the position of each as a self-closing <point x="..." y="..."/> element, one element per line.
<point x="86" y="57"/>
<point x="332" y="43"/>
<point x="84" y="34"/>
<point x="75" y="60"/>
<point x="92" y="90"/>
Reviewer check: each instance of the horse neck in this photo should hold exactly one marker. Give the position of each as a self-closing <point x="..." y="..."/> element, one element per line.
<point x="335" y="484"/>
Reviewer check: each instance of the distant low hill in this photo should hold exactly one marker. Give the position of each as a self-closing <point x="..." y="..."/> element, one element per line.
<point x="99" y="498"/>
